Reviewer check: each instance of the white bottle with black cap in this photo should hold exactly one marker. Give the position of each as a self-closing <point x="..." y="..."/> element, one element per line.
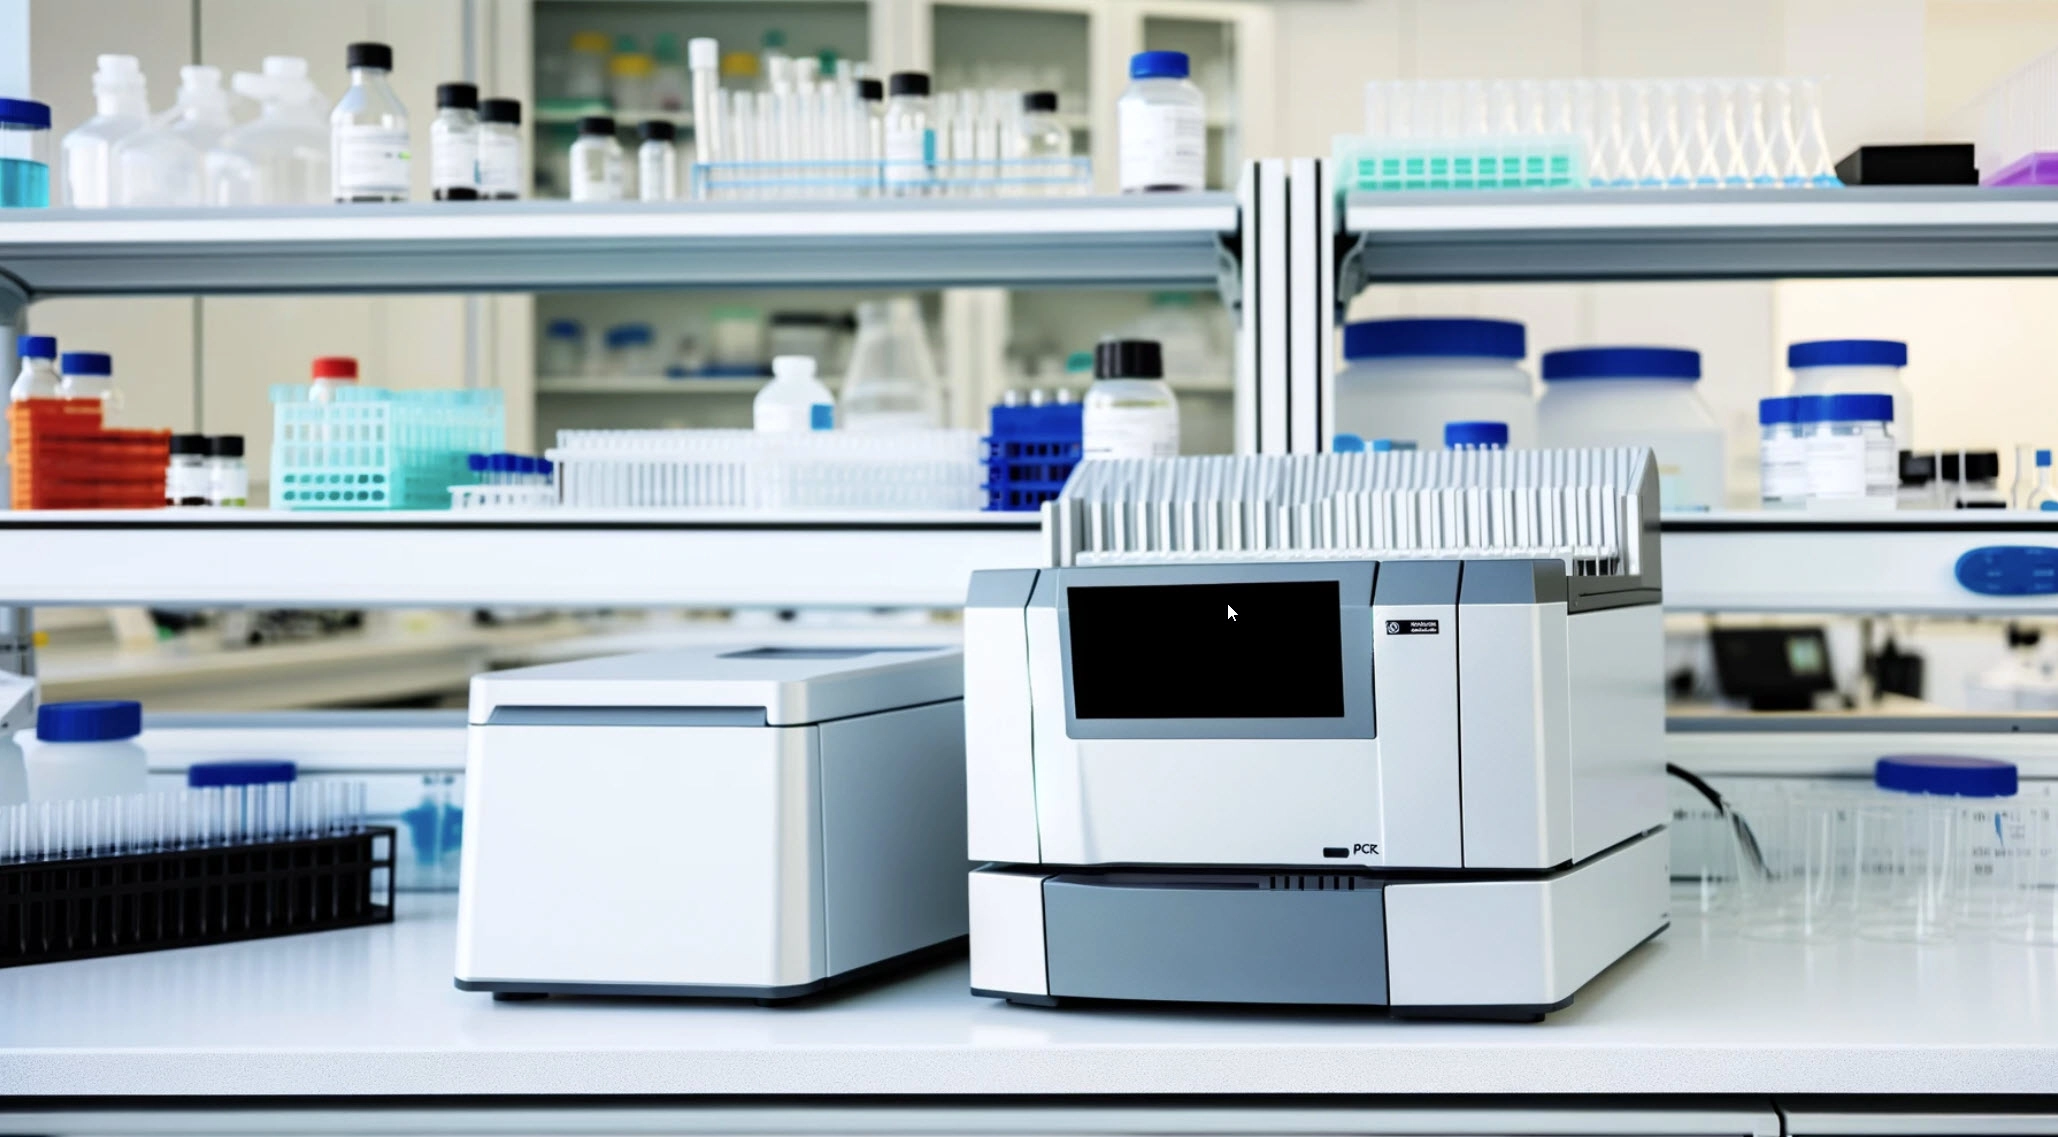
<point x="910" y="140"/>
<point x="369" y="152"/>
<point x="1130" y="411"/>
<point x="454" y="143"/>
<point x="500" y="149"/>
<point x="597" y="173"/>
<point x="657" y="162"/>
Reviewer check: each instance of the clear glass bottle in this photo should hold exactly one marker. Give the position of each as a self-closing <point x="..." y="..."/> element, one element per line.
<point x="794" y="401"/>
<point x="121" y="106"/>
<point x="1129" y="411"/>
<point x="38" y="378"/>
<point x="282" y="156"/>
<point x="1782" y="458"/>
<point x="454" y="143"/>
<point x="1041" y="145"/>
<point x="24" y="155"/>
<point x="872" y="102"/>
<point x="596" y="160"/>
<point x="891" y="383"/>
<point x="657" y="162"/>
<point x="910" y="139"/>
<point x="500" y="149"/>
<point x="631" y="79"/>
<point x="185" y="476"/>
<point x="563" y="352"/>
<point x="88" y="375"/>
<point x="1162" y="123"/>
<point x="369" y="155"/>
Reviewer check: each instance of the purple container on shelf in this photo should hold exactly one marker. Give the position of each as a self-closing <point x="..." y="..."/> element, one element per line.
<point x="2035" y="169"/>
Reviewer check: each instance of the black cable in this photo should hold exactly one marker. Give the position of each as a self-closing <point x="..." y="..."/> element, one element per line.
<point x="1744" y="836"/>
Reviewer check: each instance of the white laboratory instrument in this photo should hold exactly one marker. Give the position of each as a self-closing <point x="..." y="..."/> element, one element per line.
<point x="1366" y="735"/>
<point x="750" y="821"/>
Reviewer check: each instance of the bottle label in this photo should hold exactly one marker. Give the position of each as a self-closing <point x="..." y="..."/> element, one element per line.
<point x="371" y="161"/>
<point x="455" y="163"/>
<point x="787" y="418"/>
<point x="500" y="164"/>
<point x="1162" y="146"/>
<point x="1882" y="466"/>
<point x="1783" y="469"/>
<point x="656" y="173"/>
<point x="596" y="173"/>
<point x="910" y="154"/>
<point x="1131" y="432"/>
<point x="1836" y="465"/>
<point x="185" y="484"/>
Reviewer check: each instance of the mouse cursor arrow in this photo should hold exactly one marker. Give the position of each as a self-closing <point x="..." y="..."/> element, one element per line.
<point x="1232" y="613"/>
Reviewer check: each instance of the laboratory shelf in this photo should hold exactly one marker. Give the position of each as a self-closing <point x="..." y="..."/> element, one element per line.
<point x="1698" y="234"/>
<point x="648" y="385"/>
<point x="373" y="1012"/>
<point x="629" y="559"/>
<point x="1898" y="562"/>
<point x="1145" y="241"/>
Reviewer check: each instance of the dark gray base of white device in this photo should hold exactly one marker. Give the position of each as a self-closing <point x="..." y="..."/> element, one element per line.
<point x="513" y="991"/>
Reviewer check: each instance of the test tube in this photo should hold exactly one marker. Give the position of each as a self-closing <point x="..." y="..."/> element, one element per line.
<point x="704" y="58"/>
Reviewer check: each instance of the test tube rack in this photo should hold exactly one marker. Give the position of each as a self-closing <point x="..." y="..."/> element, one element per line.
<point x="80" y="907"/>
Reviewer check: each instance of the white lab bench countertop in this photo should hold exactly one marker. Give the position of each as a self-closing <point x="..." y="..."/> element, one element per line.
<point x="372" y="1012"/>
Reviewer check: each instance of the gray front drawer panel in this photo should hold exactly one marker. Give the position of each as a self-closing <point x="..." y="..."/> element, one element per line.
<point x="1230" y="945"/>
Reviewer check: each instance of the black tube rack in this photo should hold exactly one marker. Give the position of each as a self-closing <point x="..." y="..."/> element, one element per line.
<point x="80" y="907"/>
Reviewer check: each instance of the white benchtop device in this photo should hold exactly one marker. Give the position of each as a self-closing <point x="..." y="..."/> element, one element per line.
<point x="1216" y="757"/>
<point x="744" y="821"/>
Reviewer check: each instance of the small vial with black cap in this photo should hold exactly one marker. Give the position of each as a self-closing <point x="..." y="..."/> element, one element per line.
<point x="657" y="162"/>
<point x="185" y="478"/>
<point x="369" y="151"/>
<point x="454" y="143"/>
<point x="228" y="477"/>
<point x="910" y="139"/>
<point x="1129" y="411"/>
<point x="597" y="173"/>
<point x="500" y="149"/>
<point x="1042" y="145"/>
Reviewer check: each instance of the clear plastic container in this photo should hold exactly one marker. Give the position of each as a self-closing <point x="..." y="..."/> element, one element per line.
<point x="24" y="154"/>
<point x="282" y="156"/>
<point x="794" y="401"/>
<point x="500" y="149"/>
<point x="87" y="750"/>
<point x="121" y="108"/>
<point x="88" y="375"/>
<point x="910" y="138"/>
<point x="892" y="381"/>
<point x="2043" y="494"/>
<point x="228" y="473"/>
<point x="1637" y="396"/>
<point x="38" y="378"/>
<point x="657" y="162"/>
<point x="165" y="163"/>
<point x="1856" y="367"/>
<point x="1163" y="123"/>
<point x="370" y="154"/>
<point x="631" y="350"/>
<point x="1407" y="377"/>
<point x="1129" y="411"/>
<point x="563" y="351"/>
<point x="596" y="161"/>
<point x="1782" y="455"/>
<point x="586" y="65"/>
<point x="454" y="143"/>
